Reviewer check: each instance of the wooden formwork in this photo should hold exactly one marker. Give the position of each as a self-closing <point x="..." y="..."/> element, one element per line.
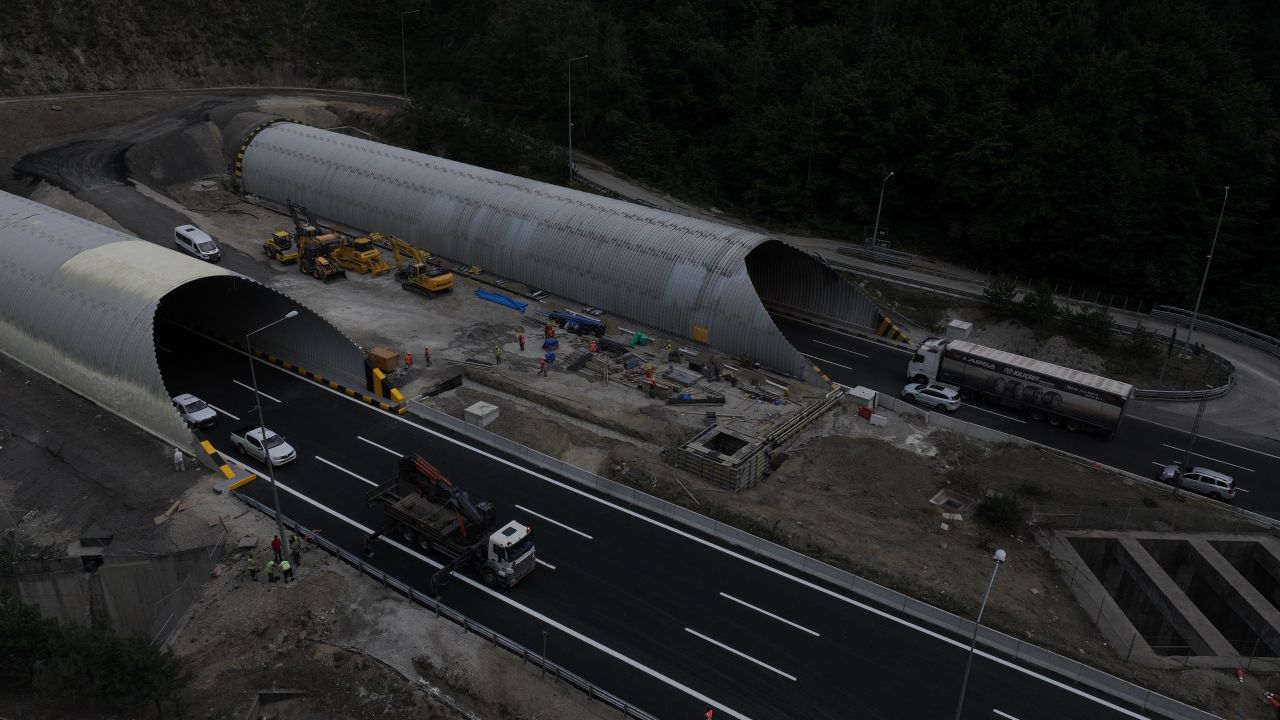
<point x="725" y="458"/>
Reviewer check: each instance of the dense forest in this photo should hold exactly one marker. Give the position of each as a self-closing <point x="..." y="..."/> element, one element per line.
<point x="1082" y="142"/>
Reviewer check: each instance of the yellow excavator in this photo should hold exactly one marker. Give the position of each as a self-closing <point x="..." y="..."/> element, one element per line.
<point x="360" y="255"/>
<point x="415" y="273"/>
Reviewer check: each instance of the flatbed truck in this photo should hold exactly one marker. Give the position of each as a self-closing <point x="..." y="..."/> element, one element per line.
<point x="1045" y="392"/>
<point x="436" y="516"/>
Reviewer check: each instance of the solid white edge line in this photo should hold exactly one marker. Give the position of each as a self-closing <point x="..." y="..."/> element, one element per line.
<point x="851" y="336"/>
<point x="527" y="610"/>
<point x="1206" y="457"/>
<point x="554" y="522"/>
<point x="224" y="412"/>
<point x="851" y="352"/>
<point x="740" y="654"/>
<point x="766" y="612"/>
<point x="829" y="362"/>
<point x="707" y="543"/>
<point x="380" y="447"/>
<point x="1005" y="715"/>
<point x="338" y="467"/>
<point x="1203" y="437"/>
<point x="250" y="389"/>
<point x="544" y="563"/>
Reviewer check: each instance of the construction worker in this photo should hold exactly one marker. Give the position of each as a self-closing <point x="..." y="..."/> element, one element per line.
<point x="271" y="571"/>
<point x="179" y="460"/>
<point x="593" y="346"/>
<point x="542" y="367"/>
<point x="520" y="338"/>
<point x="286" y="570"/>
<point x="426" y="356"/>
<point x="548" y="331"/>
<point x="252" y="565"/>
<point x="276" y="547"/>
<point x="408" y="360"/>
<point x="295" y="550"/>
<point x="497" y="355"/>
<point x="708" y="714"/>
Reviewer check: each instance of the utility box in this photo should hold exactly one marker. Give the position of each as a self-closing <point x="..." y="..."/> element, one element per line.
<point x="959" y="329"/>
<point x="481" y="414"/>
<point x="383" y="359"/>
<point x="863" y="397"/>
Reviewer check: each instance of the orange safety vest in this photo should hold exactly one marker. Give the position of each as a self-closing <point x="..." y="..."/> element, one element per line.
<point x="408" y="359"/>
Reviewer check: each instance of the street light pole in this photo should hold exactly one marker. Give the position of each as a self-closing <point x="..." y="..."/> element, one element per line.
<point x="580" y="57"/>
<point x="1195" y="313"/>
<point x="875" y="232"/>
<point x="262" y="425"/>
<point x="998" y="557"/>
<point x="404" y="67"/>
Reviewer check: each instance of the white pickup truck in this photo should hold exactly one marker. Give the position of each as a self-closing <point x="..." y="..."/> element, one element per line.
<point x="257" y="442"/>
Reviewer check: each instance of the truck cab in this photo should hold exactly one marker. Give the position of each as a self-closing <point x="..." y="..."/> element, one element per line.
<point x="923" y="367"/>
<point x="511" y="555"/>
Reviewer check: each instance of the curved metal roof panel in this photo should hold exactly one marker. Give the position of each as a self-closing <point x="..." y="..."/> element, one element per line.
<point x="79" y="303"/>
<point x="682" y="275"/>
<point x="79" y="300"/>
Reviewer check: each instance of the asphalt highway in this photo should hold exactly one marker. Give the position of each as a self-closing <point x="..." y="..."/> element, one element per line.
<point x="1139" y="446"/>
<point x="669" y="620"/>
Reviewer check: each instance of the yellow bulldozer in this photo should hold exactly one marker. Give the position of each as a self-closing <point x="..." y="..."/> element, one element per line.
<point x="360" y="255"/>
<point x="414" y="271"/>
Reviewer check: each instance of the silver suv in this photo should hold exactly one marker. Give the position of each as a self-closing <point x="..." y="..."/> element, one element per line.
<point x="1212" y="483"/>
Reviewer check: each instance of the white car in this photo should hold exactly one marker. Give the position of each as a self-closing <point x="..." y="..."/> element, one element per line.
<point x="257" y="442"/>
<point x="938" y="397"/>
<point x="195" y="411"/>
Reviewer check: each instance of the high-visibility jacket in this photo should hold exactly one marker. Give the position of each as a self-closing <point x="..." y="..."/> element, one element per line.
<point x="271" y="566"/>
<point x="284" y="566"/>
<point x="253" y="564"/>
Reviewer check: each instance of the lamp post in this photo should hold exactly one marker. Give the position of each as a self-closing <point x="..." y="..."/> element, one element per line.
<point x="875" y="231"/>
<point x="1195" y="312"/>
<point x="262" y="429"/>
<point x="580" y="57"/>
<point x="998" y="557"/>
<point x="404" y="68"/>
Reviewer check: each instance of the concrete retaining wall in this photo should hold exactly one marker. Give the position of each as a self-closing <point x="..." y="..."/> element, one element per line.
<point x="134" y="595"/>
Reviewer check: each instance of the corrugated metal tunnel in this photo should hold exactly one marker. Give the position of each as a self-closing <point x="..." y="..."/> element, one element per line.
<point x="689" y="277"/>
<point x="82" y="304"/>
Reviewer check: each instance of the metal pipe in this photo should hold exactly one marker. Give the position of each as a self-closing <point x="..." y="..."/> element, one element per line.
<point x="262" y="431"/>
<point x="404" y="68"/>
<point x="580" y="57"/>
<point x="999" y="558"/>
<point x="875" y="231"/>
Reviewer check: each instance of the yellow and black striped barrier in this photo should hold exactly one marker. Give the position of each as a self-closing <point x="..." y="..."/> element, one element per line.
<point x="236" y="476"/>
<point x="887" y="329"/>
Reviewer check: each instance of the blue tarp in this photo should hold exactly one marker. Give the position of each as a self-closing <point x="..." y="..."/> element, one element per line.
<point x="501" y="300"/>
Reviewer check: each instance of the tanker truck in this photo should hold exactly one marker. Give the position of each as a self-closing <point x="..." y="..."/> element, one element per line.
<point x="1045" y="392"/>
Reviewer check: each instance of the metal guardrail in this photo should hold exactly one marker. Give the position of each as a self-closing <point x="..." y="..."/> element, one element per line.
<point x="1217" y="326"/>
<point x="901" y="606"/>
<point x="593" y="691"/>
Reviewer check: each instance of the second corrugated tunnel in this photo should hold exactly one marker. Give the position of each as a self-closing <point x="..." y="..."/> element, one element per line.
<point x="696" y="279"/>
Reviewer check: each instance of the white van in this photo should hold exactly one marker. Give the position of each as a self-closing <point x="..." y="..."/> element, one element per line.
<point x="192" y="240"/>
